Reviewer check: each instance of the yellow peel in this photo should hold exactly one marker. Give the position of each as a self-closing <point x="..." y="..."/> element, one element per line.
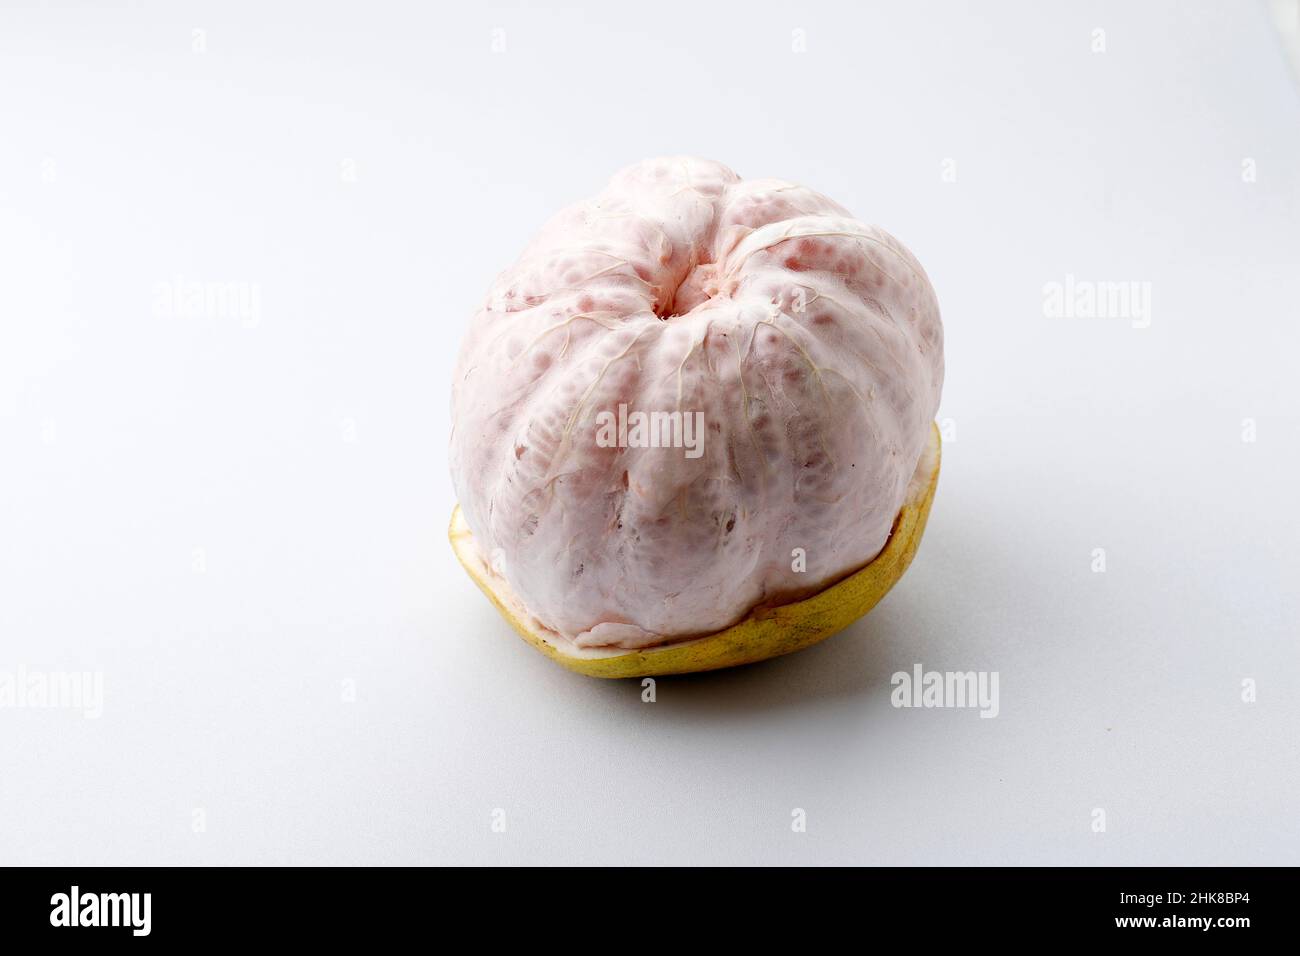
<point x="765" y="632"/>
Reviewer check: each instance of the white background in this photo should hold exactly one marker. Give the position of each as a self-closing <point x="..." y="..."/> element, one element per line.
<point x="229" y="519"/>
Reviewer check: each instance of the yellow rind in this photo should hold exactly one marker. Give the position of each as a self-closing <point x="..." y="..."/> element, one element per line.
<point x="766" y="632"/>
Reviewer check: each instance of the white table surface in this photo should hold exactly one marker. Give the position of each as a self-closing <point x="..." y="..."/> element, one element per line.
<point x="235" y="521"/>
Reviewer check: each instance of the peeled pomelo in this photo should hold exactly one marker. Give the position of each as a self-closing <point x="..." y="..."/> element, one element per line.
<point x="794" y="359"/>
